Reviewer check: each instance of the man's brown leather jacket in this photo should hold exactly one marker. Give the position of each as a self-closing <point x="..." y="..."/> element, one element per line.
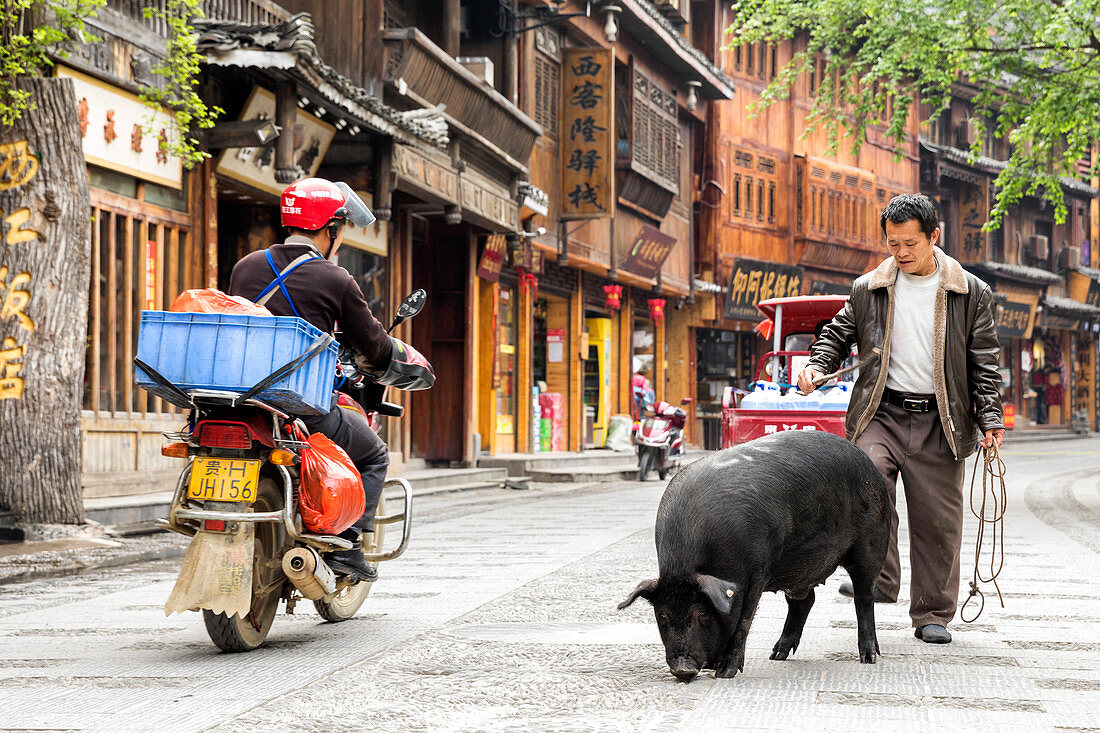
<point x="967" y="353"/>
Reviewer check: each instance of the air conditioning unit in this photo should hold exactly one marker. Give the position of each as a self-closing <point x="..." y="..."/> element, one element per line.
<point x="1069" y="258"/>
<point x="1038" y="247"/>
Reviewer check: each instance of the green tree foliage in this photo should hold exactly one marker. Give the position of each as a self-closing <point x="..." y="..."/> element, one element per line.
<point x="1033" y="62"/>
<point x="30" y="31"/>
<point x="180" y="74"/>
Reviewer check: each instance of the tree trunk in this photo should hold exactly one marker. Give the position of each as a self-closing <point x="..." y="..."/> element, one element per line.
<point x="44" y="254"/>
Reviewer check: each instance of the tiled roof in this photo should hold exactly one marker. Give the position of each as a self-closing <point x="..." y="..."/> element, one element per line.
<point x="992" y="165"/>
<point x="295" y="36"/>
<point x="1072" y="308"/>
<point x="1016" y="272"/>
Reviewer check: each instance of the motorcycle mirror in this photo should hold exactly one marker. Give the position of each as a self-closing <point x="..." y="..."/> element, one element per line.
<point x="410" y="306"/>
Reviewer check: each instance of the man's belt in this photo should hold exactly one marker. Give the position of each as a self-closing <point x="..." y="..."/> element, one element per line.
<point x="910" y="401"/>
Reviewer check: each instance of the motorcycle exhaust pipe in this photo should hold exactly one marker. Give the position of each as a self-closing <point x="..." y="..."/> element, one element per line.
<point x="309" y="573"/>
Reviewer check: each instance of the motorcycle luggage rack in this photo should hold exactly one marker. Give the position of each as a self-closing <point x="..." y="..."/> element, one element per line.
<point x="184" y="520"/>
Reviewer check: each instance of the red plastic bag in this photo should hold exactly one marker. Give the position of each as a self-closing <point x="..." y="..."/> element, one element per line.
<point x="211" y="300"/>
<point x="330" y="497"/>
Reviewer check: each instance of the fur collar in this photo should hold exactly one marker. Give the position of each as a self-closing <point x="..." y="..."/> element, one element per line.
<point x="952" y="276"/>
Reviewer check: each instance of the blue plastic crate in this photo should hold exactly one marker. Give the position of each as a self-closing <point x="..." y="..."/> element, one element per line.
<point x="233" y="353"/>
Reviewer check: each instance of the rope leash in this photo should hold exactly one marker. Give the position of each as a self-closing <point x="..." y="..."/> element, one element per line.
<point x="993" y="473"/>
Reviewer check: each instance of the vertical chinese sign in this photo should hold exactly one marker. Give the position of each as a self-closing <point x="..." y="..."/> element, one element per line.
<point x="973" y="211"/>
<point x="587" y="128"/>
<point x="45" y="242"/>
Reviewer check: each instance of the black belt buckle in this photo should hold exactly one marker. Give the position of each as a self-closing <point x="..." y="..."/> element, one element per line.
<point x="916" y="404"/>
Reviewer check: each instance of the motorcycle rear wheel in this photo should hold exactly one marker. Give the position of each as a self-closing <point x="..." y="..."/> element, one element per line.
<point x="645" y="464"/>
<point x="232" y="633"/>
<point x="344" y="605"/>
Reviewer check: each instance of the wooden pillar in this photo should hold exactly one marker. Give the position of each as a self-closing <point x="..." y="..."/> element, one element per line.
<point x="286" y="115"/>
<point x="487" y="304"/>
<point x="471" y="349"/>
<point x="626" y="368"/>
<point x="208" y="241"/>
<point x="576" y="368"/>
<point x="452" y="27"/>
<point x="524" y="370"/>
<point x="509" y="69"/>
<point x="660" y="363"/>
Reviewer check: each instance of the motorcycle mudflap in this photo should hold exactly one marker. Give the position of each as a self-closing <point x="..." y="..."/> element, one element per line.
<point x="216" y="573"/>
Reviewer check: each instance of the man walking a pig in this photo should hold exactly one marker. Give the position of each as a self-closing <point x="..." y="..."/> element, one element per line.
<point x="918" y="410"/>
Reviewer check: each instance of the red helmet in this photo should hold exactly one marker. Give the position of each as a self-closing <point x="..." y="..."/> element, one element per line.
<point x="311" y="203"/>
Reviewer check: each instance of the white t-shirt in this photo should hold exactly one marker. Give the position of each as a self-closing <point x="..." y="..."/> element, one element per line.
<point x="912" y="340"/>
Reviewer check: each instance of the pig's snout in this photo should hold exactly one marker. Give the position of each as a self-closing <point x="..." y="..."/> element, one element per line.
<point x="684" y="669"/>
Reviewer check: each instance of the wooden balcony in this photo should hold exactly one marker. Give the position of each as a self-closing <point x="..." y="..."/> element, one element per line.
<point x="429" y="76"/>
<point x="260" y="12"/>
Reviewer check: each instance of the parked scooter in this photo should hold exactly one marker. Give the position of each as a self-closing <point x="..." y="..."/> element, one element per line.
<point x="237" y="499"/>
<point x="660" y="439"/>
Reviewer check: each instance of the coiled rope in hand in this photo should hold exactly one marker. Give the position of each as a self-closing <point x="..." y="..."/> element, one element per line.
<point x="990" y="513"/>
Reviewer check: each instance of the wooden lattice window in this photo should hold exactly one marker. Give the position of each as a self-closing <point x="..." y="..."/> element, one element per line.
<point x="547" y="85"/>
<point x="657" y="143"/>
<point x="141" y="258"/>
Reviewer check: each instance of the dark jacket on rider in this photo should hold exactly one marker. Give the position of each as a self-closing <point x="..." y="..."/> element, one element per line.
<point x="966" y="376"/>
<point x="322" y="291"/>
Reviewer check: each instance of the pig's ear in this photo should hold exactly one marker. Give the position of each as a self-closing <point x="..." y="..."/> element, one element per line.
<point x="645" y="589"/>
<point x="722" y="594"/>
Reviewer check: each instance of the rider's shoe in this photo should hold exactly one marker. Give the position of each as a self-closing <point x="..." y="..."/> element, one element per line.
<point x="352" y="563"/>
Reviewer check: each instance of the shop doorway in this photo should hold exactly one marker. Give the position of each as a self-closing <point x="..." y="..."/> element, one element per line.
<point x="440" y="265"/>
<point x="550" y="369"/>
<point x="504" y="369"/>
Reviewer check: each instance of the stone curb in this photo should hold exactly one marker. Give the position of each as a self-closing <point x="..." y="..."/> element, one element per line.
<point x="80" y="567"/>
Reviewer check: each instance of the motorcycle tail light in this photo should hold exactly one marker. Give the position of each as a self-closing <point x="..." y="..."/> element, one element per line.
<point x="214" y="525"/>
<point x="224" y="435"/>
<point x="174" y="450"/>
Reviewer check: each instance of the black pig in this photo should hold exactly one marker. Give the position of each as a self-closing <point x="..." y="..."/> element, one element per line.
<point x="777" y="514"/>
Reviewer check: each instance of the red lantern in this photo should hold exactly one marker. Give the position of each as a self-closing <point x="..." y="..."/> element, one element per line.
<point x="613" y="295"/>
<point x="656" y="309"/>
<point x="528" y="280"/>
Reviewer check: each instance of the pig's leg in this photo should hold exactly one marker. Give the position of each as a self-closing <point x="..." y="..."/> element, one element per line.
<point x="733" y="659"/>
<point x="863" y="584"/>
<point x="797" y="611"/>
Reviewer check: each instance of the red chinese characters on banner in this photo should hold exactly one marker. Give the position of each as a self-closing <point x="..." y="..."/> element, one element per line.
<point x="492" y="258"/>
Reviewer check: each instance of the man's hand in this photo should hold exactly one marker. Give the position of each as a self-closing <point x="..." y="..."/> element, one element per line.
<point x="996" y="435"/>
<point x="806" y="380"/>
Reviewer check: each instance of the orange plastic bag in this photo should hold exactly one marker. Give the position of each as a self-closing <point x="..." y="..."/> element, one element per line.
<point x="330" y="498"/>
<point x="211" y="300"/>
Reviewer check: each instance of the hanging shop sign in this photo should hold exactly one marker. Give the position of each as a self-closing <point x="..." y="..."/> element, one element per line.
<point x="256" y="166"/>
<point x="492" y="258"/>
<point x="1083" y="288"/>
<point x="120" y="132"/>
<point x="824" y="287"/>
<point x="373" y="238"/>
<point x="1014" y="319"/>
<point x="587" y="126"/>
<point x="753" y="281"/>
<point x="973" y="212"/>
<point x="650" y="250"/>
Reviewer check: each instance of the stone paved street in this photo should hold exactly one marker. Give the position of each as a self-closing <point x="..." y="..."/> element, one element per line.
<point x="502" y="617"/>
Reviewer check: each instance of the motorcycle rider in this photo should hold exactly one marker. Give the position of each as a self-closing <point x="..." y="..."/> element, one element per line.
<point x="299" y="277"/>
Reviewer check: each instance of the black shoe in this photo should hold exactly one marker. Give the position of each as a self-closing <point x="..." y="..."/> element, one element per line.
<point x="880" y="597"/>
<point x="933" y="634"/>
<point x="353" y="564"/>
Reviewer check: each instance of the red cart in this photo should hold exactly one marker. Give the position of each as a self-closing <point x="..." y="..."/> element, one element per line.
<point x="787" y="317"/>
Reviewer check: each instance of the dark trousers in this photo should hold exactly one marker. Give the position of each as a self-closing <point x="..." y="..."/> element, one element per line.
<point x="913" y="445"/>
<point x="351" y="431"/>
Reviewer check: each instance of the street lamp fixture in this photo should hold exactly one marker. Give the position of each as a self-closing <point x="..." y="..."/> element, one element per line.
<point x="693" y="94"/>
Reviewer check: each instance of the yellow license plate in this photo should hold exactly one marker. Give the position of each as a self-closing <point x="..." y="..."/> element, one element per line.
<point x="223" y="479"/>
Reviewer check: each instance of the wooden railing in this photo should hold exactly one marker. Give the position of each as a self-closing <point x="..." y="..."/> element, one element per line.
<point x="432" y="77"/>
<point x="265" y="12"/>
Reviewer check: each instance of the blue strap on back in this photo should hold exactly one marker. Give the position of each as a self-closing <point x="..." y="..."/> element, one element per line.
<point x="280" y="278"/>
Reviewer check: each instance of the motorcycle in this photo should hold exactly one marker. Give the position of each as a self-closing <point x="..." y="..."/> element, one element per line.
<point x="659" y="440"/>
<point x="237" y="498"/>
